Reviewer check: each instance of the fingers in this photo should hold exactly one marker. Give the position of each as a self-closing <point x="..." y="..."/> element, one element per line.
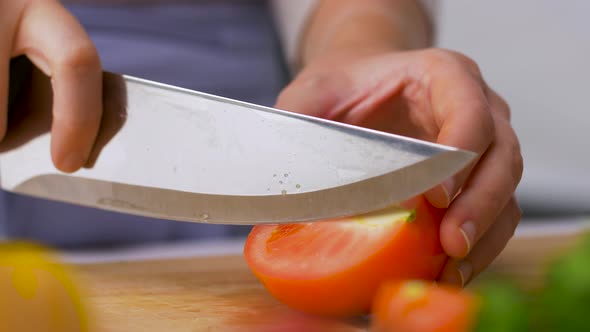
<point x="483" y="196"/>
<point x="65" y="53"/>
<point x="463" y="115"/>
<point x="461" y="272"/>
<point x="471" y="116"/>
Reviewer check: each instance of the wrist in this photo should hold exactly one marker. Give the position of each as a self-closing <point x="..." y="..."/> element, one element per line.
<point x="337" y="55"/>
<point x="364" y="28"/>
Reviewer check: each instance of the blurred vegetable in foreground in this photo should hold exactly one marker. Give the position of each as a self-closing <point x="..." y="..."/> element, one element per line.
<point x="493" y="305"/>
<point x="563" y="304"/>
<point x="38" y="293"/>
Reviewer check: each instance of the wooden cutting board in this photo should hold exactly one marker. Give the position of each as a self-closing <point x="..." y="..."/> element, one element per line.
<point x="221" y="294"/>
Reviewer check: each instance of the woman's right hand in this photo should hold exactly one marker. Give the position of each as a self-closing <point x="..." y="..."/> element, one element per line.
<point x="45" y="32"/>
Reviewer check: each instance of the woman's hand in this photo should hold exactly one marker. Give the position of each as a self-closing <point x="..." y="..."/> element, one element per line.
<point x="56" y="43"/>
<point x="439" y="96"/>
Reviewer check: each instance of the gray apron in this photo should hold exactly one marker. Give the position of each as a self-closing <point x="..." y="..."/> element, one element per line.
<point x="225" y="48"/>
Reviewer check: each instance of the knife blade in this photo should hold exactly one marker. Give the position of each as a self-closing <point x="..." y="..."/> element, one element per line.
<point x="178" y="154"/>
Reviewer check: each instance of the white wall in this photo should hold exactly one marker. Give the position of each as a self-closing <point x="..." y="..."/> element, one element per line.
<point x="536" y="54"/>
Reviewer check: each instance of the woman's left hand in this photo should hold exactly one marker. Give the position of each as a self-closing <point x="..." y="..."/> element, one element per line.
<point x="439" y="96"/>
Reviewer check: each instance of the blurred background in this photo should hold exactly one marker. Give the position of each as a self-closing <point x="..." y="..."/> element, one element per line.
<point x="535" y="54"/>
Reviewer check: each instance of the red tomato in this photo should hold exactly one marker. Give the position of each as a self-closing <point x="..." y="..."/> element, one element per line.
<point x="334" y="267"/>
<point x="419" y="306"/>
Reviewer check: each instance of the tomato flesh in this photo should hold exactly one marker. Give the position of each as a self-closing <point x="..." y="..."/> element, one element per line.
<point x="334" y="267"/>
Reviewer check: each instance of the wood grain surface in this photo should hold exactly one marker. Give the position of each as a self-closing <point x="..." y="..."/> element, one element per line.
<point x="221" y="294"/>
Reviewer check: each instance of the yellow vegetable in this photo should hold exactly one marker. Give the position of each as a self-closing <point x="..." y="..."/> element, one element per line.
<point x="37" y="292"/>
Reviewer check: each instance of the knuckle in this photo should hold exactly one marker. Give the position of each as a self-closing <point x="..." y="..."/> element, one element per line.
<point x="509" y="150"/>
<point x="516" y="216"/>
<point x="315" y="92"/>
<point x="502" y="105"/>
<point x="505" y="112"/>
<point x="443" y="54"/>
<point x="444" y="57"/>
<point x="284" y="96"/>
<point x="471" y="65"/>
<point x="517" y="160"/>
<point x="482" y="110"/>
<point x="493" y="199"/>
<point x="467" y="62"/>
<point x="439" y="58"/>
<point x="310" y="81"/>
<point x="438" y="53"/>
<point x="81" y="56"/>
<point x="517" y="164"/>
<point x="316" y="82"/>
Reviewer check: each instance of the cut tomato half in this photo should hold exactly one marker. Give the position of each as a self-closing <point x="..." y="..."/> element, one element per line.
<point x="334" y="267"/>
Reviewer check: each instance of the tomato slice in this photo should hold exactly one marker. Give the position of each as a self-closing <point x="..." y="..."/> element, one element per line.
<point x="419" y="306"/>
<point x="334" y="267"/>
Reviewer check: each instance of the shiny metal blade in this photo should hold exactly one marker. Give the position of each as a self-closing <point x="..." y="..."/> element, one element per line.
<point x="178" y="154"/>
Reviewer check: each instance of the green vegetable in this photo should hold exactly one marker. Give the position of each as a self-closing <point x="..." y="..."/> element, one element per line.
<point x="504" y="307"/>
<point x="564" y="302"/>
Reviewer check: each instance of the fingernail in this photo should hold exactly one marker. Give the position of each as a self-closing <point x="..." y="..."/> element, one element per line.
<point x="468" y="230"/>
<point x="72" y="162"/>
<point x="440" y="196"/>
<point x="450" y="274"/>
<point x="465" y="270"/>
<point x="447" y="187"/>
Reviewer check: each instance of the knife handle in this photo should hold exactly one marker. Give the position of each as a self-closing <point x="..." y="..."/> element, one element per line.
<point x="21" y="69"/>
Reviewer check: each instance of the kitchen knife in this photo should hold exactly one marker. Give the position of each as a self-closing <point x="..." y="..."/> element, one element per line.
<point x="172" y="153"/>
